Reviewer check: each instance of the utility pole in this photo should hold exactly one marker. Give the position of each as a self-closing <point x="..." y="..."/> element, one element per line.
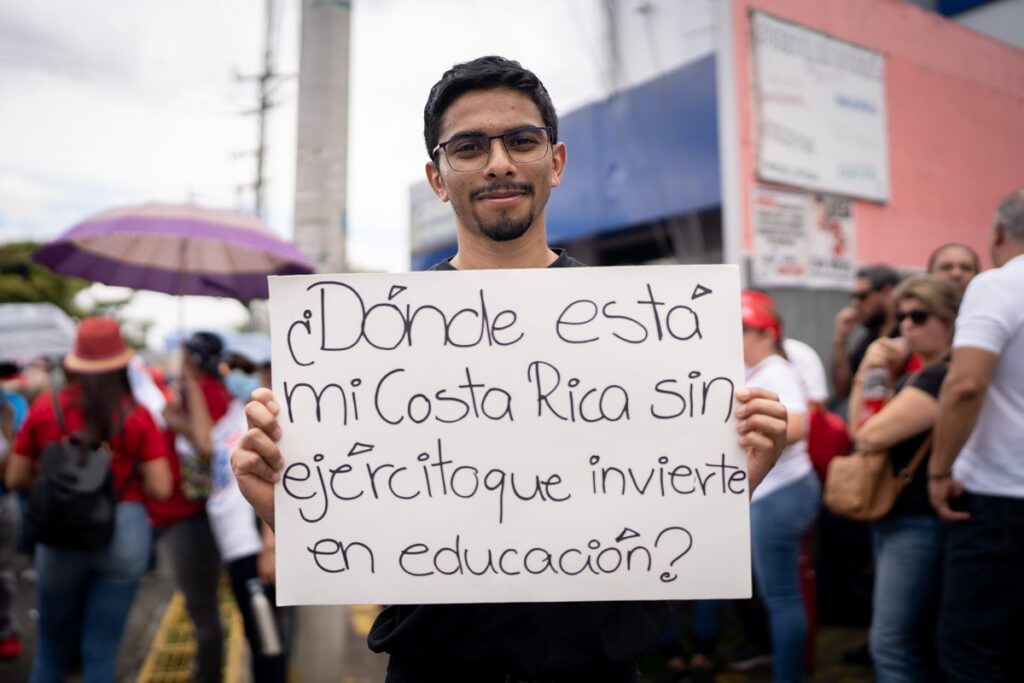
<point x="268" y="80"/>
<point x="321" y="155"/>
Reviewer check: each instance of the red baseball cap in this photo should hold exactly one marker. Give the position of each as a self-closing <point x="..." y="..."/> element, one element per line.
<point x="758" y="311"/>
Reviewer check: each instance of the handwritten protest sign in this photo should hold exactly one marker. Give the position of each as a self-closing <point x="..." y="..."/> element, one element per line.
<point x="510" y="435"/>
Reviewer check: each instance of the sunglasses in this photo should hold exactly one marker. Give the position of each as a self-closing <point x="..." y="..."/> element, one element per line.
<point x="861" y="296"/>
<point x="918" y="316"/>
<point x="237" y="363"/>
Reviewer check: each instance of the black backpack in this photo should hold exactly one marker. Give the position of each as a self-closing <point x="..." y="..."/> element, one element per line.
<point x="73" y="502"/>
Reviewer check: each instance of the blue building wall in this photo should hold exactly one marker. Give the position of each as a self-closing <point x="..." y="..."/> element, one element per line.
<point x="647" y="153"/>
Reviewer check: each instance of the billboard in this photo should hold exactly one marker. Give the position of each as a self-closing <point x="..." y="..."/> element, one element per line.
<point x="821" y="111"/>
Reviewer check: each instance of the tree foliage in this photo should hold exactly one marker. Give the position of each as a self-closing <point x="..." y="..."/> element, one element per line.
<point x="22" y="280"/>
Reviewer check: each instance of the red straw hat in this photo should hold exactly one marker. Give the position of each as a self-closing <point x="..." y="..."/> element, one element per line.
<point x="99" y="347"/>
<point x="759" y="312"/>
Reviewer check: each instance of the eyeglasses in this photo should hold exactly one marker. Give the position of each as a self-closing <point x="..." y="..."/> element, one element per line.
<point x="472" y="152"/>
<point x="918" y="316"/>
<point x="861" y="296"/>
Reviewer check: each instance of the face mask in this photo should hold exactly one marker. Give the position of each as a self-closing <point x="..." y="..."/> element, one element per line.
<point x="241" y="384"/>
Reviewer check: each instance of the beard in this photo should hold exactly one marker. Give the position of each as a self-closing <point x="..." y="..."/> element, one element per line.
<point x="505" y="228"/>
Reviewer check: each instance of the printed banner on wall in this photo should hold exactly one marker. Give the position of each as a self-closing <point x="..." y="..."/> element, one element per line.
<point x="803" y="240"/>
<point x="832" y="240"/>
<point x="510" y="435"/>
<point x="821" y="111"/>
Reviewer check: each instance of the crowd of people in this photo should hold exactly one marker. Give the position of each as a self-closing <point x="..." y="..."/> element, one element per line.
<point x="166" y="446"/>
<point x="928" y="368"/>
<point x="491" y="135"/>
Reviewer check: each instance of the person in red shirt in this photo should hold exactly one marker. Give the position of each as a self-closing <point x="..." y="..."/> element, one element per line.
<point x="84" y="596"/>
<point x="183" y="523"/>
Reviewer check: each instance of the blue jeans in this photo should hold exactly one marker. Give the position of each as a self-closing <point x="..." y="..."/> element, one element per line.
<point x="84" y="598"/>
<point x="8" y="584"/>
<point x="777" y="524"/>
<point x="908" y="566"/>
<point x="982" y="600"/>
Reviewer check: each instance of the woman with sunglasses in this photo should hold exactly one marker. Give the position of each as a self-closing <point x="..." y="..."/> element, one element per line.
<point x="907" y="542"/>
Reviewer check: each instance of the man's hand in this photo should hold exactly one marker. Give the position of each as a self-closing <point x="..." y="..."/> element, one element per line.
<point x="846" y="320"/>
<point x="941" y="493"/>
<point x="762" y="431"/>
<point x="257" y="461"/>
<point x="190" y="369"/>
<point x="266" y="568"/>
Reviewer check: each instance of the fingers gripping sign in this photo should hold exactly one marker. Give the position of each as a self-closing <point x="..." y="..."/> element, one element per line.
<point x="257" y="460"/>
<point x="762" y="429"/>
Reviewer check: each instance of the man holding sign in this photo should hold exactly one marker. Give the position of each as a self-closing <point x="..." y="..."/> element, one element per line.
<point x="492" y="135"/>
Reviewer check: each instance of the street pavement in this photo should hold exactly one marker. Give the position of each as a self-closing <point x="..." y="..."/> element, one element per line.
<point x="328" y="644"/>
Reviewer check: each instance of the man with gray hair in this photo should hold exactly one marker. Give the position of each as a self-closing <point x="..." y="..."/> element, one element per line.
<point x="976" y="472"/>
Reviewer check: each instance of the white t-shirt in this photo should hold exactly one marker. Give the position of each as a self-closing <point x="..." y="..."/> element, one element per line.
<point x="807" y="363"/>
<point x="145" y="391"/>
<point x="232" y="519"/>
<point x="776" y="374"/>
<point x="992" y="319"/>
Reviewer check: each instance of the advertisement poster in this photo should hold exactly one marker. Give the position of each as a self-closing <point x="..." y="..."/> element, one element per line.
<point x="803" y="240"/>
<point x="821" y="112"/>
<point x="832" y="244"/>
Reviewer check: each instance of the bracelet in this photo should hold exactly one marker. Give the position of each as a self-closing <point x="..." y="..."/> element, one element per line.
<point x="940" y="476"/>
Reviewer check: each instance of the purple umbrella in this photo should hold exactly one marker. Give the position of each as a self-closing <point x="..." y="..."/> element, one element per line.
<point x="176" y="249"/>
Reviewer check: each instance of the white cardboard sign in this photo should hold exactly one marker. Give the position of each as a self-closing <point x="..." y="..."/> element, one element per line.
<point x="510" y="435"/>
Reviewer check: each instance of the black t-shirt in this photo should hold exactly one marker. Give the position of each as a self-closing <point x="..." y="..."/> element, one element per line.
<point x="563" y="261"/>
<point x="532" y="640"/>
<point x="914" y="498"/>
<point x="860" y="348"/>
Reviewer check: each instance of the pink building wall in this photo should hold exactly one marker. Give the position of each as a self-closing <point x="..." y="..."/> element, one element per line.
<point x="955" y="108"/>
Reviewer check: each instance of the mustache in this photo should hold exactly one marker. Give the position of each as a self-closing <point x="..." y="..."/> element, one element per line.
<point x="507" y="186"/>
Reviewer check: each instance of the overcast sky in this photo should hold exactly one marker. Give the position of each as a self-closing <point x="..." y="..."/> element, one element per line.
<point x="120" y="102"/>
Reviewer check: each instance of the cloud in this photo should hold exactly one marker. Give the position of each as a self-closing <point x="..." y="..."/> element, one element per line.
<point x="122" y="102"/>
<point x="38" y="209"/>
<point x="33" y="38"/>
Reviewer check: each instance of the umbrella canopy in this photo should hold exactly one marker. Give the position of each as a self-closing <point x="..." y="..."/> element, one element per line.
<point x="176" y="249"/>
<point x="34" y="330"/>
